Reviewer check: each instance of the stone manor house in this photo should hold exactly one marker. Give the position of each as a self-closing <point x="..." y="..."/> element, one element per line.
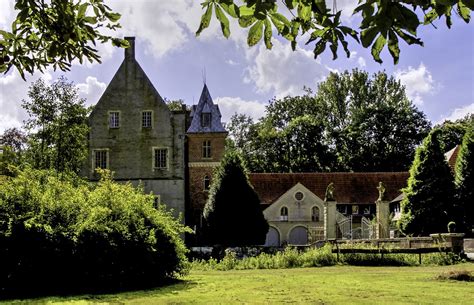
<point x="173" y="155"/>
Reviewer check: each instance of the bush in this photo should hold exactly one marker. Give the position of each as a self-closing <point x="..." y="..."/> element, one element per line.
<point x="60" y="234"/>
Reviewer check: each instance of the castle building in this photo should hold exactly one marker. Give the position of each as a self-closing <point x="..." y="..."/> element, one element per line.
<point x="174" y="154"/>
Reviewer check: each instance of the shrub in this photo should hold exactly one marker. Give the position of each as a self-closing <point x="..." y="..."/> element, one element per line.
<point x="460" y="275"/>
<point x="58" y="233"/>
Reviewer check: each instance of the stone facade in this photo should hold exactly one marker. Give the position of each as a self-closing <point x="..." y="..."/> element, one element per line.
<point x="135" y="135"/>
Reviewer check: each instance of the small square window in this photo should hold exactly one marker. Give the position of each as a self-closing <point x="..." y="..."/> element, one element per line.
<point x="101" y="158"/>
<point x="207" y="183"/>
<point x="206" y="149"/>
<point x="114" y="119"/>
<point x="147" y="119"/>
<point x="160" y="158"/>
<point x="205" y="119"/>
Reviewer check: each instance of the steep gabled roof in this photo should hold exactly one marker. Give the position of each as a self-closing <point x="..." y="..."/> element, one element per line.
<point x="205" y="105"/>
<point x="360" y="188"/>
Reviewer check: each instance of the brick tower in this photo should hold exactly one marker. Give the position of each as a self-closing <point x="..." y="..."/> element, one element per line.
<point x="206" y="141"/>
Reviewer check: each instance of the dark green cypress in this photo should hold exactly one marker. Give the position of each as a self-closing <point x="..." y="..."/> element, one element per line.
<point x="233" y="213"/>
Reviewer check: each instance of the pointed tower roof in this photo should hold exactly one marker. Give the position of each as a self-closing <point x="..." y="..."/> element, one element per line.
<point x="206" y="106"/>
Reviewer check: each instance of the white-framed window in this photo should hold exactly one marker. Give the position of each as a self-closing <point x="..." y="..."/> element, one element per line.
<point x="114" y="119"/>
<point x="205" y="119"/>
<point x="284" y="214"/>
<point x="207" y="183"/>
<point x="147" y="119"/>
<point x="315" y="214"/>
<point x="366" y="210"/>
<point x="206" y="149"/>
<point x="355" y="209"/>
<point x="160" y="158"/>
<point x="100" y="158"/>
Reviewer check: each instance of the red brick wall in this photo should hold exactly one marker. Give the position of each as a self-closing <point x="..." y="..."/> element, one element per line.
<point x="195" y="146"/>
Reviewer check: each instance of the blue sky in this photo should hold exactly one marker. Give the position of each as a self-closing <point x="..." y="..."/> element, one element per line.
<point x="439" y="77"/>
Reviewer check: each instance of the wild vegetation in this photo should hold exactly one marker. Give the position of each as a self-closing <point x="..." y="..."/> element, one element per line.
<point x="61" y="234"/>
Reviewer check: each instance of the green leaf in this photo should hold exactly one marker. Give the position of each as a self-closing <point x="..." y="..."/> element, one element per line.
<point x="321" y="5"/>
<point x="377" y="47"/>
<point x="246" y="11"/>
<point x="430" y="17"/>
<point x="408" y="38"/>
<point x="246" y="21"/>
<point x="205" y="19"/>
<point x="255" y="33"/>
<point x="268" y="34"/>
<point x="304" y="11"/>
<point x="223" y="20"/>
<point x="6" y="35"/>
<point x="231" y="9"/>
<point x="411" y="19"/>
<point x="114" y="17"/>
<point x="333" y="48"/>
<point x="367" y="36"/>
<point x="393" y="46"/>
<point x="81" y="12"/>
<point x="464" y="12"/>
<point x="319" y="48"/>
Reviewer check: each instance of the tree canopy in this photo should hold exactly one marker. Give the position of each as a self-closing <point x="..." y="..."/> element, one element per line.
<point x="54" y="33"/>
<point x="428" y="201"/>
<point x="354" y="122"/>
<point x="383" y="22"/>
<point x="464" y="179"/>
<point x="57" y="126"/>
<point x="232" y="212"/>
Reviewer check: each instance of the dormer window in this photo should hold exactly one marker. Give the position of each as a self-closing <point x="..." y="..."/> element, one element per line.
<point x="205" y="119"/>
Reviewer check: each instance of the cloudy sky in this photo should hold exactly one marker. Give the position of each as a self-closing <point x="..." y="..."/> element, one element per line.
<point x="439" y="77"/>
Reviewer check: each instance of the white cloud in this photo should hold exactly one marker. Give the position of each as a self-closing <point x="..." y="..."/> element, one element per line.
<point x="417" y="81"/>
<point x="459" y="113"/>
<point x="91" y="90"/>
<point x="162" y="25"/>
<point x="361" y="62"/>
<point x="281" y="71"/>
<point x="13" y="89"/>
<point x="230" y="105"/>
<point x="6" y="12"/>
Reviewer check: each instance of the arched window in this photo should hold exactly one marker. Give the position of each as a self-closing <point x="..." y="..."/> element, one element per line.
<point x="207" y="183"/>
<point x="315" y="214"/>
<point x="284" y="214"/>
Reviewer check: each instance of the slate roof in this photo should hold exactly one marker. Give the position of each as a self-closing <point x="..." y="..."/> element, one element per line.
<point x="205" y="105"/>
<point x="360" y="188"/>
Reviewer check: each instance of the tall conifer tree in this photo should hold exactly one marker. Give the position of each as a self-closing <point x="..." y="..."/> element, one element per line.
<point x="429" y="196"/>
<point x="464" y="180"/>
<point x="233" y="213"/>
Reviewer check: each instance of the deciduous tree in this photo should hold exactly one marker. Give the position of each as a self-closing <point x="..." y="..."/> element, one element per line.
<point x="55" y="33"/>
<point x="57" y="125"/>
<point x="383" y="23"/>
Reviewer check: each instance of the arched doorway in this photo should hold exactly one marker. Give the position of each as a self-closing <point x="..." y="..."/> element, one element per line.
<point x="273" y="238"/>
<point x="298" y="236"/>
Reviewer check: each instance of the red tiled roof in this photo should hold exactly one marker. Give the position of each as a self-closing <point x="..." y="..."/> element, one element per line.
<point x="348" y="187"/>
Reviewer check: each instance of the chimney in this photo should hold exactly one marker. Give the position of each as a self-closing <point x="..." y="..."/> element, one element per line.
<point x="130" y="51"/>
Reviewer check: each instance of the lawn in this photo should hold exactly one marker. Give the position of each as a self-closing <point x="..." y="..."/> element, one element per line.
<point x="328" y="285"/>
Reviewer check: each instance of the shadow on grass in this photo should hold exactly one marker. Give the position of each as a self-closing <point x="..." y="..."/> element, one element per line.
<point x="170" y="286"/>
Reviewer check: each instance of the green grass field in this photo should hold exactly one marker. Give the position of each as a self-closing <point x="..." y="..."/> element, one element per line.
<point x="328" y="285"/>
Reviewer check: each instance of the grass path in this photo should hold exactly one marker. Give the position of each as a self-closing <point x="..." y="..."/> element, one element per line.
<point x="326" y="285"/>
